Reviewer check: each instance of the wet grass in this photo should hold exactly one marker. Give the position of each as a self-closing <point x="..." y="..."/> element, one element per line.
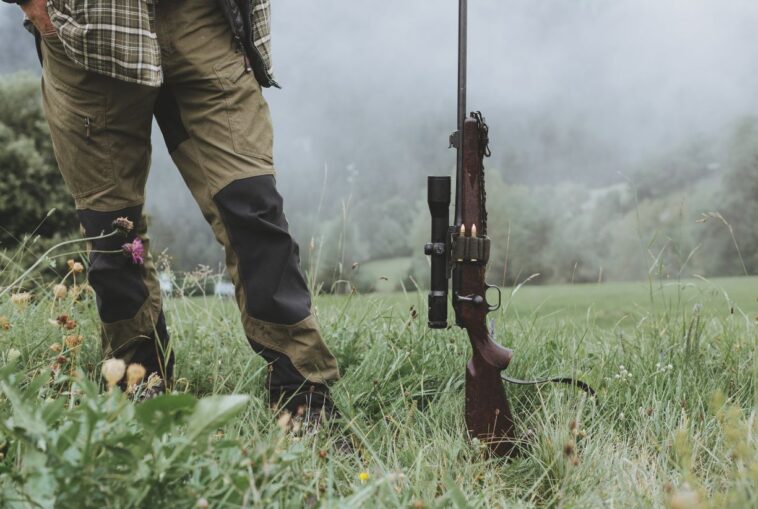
<point x="673" y="424"/>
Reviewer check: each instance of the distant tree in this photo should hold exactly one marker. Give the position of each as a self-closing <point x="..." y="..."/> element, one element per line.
<point x="30" y="185"/>
<point x="739" y="202"/>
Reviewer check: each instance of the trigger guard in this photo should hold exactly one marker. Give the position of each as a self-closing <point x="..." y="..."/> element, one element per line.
<point x="490" y="308"/>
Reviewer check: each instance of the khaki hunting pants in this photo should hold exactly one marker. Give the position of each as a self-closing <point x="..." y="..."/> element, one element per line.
<point x="217" y="127"/>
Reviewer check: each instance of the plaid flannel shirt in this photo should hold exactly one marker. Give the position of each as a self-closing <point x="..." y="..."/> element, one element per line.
<point x="117" y="37"/>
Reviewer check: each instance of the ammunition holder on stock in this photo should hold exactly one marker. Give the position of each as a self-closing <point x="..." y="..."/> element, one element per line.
<point x="471" y="249"/>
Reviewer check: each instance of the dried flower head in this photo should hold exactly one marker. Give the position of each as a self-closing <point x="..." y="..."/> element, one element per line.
<point x="21" y="299"/>
<point x="56" y="348"/>
<point x="62" y="319"/>
<point x="134" y="375"/>
<point x="73" y="341"/>
<point x="5" y="324"/>
<point x="684" y="498"/>
<point x="75" y="267"/>
<point x="60" y="291"/>
<point x="135" y="250"/>
<point x="284" y="421"/>
<point x="113" y="371"/>
<point x="202" y="503"/>
<point x="70" y="324"/>
<point x="153" y="381"/>
<point x="123" y="224"/>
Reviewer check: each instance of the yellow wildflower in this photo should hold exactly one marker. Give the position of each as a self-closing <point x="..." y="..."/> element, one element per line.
<point x="363" y="476"/>
<point x="134" y="375"/>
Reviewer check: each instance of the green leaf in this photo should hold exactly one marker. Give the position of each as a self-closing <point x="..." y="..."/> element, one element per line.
<point x="215" y="411"/>
<point x="23" y="417"/>
<point x="159" y="414"/>
<point x="209" y="414"/>
<point x="51" y="411"/>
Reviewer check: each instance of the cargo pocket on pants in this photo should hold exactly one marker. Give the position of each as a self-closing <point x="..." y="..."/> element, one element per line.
<point x="249" y="116"/>
<point x="78" y="131"/>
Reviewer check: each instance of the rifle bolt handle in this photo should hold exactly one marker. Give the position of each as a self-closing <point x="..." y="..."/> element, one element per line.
<point x="474" y="299"/>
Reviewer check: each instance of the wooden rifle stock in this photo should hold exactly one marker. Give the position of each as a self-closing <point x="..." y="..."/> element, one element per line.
<point x="488" y="414"/>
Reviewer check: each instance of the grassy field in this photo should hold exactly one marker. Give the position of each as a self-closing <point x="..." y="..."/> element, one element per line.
<point x="673" y="424"/>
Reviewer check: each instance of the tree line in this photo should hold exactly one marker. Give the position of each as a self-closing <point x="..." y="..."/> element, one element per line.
<point x="688" y="211"/>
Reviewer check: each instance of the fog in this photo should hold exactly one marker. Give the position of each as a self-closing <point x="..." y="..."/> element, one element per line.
<point x="594" y="82"/>
<point x="580" y="91"/>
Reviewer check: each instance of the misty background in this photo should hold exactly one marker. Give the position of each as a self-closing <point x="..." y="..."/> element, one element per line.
<point x="623" y="135"/>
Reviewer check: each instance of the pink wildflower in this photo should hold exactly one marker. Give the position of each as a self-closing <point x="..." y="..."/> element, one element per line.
<point x="135" y="250"/>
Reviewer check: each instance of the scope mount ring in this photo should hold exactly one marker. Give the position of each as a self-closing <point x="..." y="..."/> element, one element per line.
<point x="490" y="308"/>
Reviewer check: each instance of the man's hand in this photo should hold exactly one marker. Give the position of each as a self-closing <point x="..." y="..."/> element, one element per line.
<point x="36" y="11"/>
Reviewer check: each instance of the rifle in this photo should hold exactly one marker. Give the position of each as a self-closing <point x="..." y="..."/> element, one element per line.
<point x="460" y="252"/>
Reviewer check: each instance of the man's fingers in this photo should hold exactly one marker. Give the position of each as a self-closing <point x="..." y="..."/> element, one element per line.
<point x="36" y="11"/>
<point x="47" y="27"/>
<point x="43" y="26"/>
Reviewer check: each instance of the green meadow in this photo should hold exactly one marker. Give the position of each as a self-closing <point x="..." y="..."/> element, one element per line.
<point x="673" y="424"/>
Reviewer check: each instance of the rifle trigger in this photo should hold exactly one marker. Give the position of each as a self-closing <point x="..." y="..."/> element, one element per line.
<point x="490" y="309"/>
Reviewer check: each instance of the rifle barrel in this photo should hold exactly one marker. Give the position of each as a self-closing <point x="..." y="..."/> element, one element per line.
<point x="462" y="57"/>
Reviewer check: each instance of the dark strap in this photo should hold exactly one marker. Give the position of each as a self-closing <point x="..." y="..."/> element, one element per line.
<point x="38" y="45"/>
<point x="558" y="380"/>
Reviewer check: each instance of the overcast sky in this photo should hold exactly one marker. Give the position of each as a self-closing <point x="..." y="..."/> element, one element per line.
<point x="612" y="81"/>
<point x="633" y="74"/>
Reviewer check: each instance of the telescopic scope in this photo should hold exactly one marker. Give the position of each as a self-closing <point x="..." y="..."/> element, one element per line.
<point x="438" y="249"/>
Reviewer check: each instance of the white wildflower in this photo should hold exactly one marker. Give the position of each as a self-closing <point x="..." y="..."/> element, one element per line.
<point x="113" y="371"/>
<point x="13" y="355"/>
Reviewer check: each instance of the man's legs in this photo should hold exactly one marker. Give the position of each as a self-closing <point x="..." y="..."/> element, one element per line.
<point x="100" y="128"/>
<point x="218" y="130"/>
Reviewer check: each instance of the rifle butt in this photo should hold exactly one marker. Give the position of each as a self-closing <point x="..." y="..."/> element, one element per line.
<point x="488" y="414"/>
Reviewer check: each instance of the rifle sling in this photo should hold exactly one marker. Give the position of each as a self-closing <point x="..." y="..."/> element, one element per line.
<point x="558" y="380"/>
